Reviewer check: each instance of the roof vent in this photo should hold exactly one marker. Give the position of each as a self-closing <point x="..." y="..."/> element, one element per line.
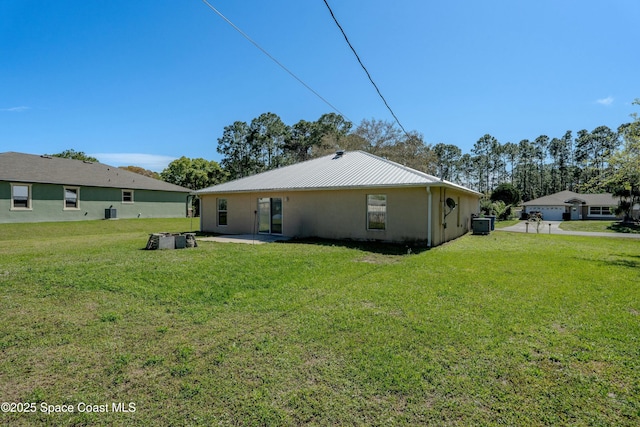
<point x="339" y="154"/>
<point x="46" y="156"/>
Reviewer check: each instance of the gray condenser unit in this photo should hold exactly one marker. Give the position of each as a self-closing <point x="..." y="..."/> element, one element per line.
<point x="481" y="225"/>
<point x="110" y="213"/>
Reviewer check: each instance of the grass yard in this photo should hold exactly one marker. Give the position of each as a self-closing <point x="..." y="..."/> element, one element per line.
<point x="506" y="223"/>
<point x="600" y="226"/>
<point x="506" y="329"/>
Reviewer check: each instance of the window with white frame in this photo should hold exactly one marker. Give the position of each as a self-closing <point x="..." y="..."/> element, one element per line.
<point x="600" y="211"/>
<point x="222" y="211"/>
<point x="127" y="196"/>
<point x="376" y="212"/>
<point x="20" y="196"/>
<point x="71" y="198"/>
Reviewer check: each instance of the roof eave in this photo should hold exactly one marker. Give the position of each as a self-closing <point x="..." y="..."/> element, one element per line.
<point x="205" y="192"/>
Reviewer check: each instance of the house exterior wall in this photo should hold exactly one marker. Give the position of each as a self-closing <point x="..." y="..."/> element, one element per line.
<point x="554" y="212"/>
<point x="587" y="214"/>
<point x="342" y="214"/>
<point x="47" y="204"/>
<point x="458" y="220"/>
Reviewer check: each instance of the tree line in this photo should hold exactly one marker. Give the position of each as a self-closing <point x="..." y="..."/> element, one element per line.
<point x="596" y="161"/>
<point x="580" y="162"/>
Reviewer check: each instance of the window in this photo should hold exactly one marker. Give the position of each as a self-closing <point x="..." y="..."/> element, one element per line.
<point x="20" y="196"/>
<point x="600" y="211"/>
<point x="376" y="212"/>
<point x="127" y="196"/>
<point x="222" y="211"/>
<point x="71" y="198"/>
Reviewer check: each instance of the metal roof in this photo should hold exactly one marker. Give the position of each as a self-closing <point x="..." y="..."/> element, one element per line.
<point x="352" y="169"/>
<point x="30" y="168"/>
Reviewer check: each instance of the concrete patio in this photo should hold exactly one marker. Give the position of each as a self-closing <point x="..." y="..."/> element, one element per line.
<point x="250" y="239"/>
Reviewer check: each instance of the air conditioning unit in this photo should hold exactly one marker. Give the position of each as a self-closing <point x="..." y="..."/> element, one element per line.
<point x="110" y="213"/>
<point x="481" y="226"/>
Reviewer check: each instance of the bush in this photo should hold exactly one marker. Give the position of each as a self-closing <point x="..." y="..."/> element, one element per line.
<point x="506" y="193"/>
<point x="500" y="209"/>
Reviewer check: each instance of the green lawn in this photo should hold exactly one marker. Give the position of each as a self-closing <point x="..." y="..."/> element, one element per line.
<point x="506" y="223"/>
<point x="505" y="329"/>
<point x="599" y="226"/>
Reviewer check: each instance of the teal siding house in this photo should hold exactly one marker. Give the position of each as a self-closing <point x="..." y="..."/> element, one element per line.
<point x="44" y="188"/>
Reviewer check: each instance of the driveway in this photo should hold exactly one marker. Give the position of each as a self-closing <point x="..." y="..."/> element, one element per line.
<point x="553" y="227"/>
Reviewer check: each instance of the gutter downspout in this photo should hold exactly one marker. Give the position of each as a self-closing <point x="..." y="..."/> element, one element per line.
<point x="189" y="199"/>
<point x="429" y="220"/>
<point x="200" y="211"/>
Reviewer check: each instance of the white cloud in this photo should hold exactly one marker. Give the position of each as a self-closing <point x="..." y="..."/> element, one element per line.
<point x="605" y="101"/>
<point x="15" y="109"/>
<point x="152" y="162"/>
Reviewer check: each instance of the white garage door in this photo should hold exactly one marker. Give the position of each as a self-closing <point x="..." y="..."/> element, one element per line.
<point x="549" y="213"/>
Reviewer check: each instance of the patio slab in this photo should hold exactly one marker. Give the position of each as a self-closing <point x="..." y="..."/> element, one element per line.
<point x="250" y="239"/>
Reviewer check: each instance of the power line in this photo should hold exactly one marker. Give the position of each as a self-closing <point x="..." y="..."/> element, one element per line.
<point x="273" y="59"/>
<point x="364" y="68"/>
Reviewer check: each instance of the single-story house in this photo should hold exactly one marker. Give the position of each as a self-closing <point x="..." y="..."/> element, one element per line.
<point x="44" y="188"/>
<point x="573" y="206"/>
<point x="343" y="196"/>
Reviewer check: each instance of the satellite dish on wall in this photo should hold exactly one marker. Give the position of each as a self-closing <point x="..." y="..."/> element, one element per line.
<point x="451" y="204"/>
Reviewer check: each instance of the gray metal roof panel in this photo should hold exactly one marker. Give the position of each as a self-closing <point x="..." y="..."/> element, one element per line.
<point x="354" y="169"/>
<point x="30" y="168"/>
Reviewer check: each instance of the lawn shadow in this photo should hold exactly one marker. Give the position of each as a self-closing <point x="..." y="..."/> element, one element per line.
<point x="627" y="260"/>
<point x="625" y="227"/>
<point x="622" y="260"/>
<point x="381" y="248"/>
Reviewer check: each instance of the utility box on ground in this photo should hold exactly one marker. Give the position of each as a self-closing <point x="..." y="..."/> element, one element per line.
<point x="110" y="213"/>
<point x="481" y="226"/>
<point x="167" y="242"/>
<point x="171" y="241"/>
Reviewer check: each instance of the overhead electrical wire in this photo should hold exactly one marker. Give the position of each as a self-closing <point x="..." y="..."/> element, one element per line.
<point x="364" y="68"/>
<point x="235" y="27"/>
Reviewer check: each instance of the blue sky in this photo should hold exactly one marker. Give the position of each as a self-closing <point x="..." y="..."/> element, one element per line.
<point x="143" y="82"/>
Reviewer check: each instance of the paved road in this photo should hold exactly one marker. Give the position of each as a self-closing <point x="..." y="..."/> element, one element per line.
<point x="553" y="227"/>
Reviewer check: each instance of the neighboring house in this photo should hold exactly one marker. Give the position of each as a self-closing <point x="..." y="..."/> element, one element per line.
<point x="573" y="206"/>
<point x="44" y="188"/>
<point x="347" y="195"/>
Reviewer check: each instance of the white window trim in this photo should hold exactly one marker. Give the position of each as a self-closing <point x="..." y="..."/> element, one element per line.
<point x="132" y="197"/>
<point x="64" y="198"/>
<point x="29" y="199"/>
<point x="611" y="213"/>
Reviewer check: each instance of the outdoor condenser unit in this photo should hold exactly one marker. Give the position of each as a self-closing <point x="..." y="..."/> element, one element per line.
<point x="481" y="225"/>
<point x="110" y="213"/>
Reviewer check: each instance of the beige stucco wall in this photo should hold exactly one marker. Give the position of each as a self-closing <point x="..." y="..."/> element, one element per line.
<point x="342" y="214"/>
<point x="458" y="221"/>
